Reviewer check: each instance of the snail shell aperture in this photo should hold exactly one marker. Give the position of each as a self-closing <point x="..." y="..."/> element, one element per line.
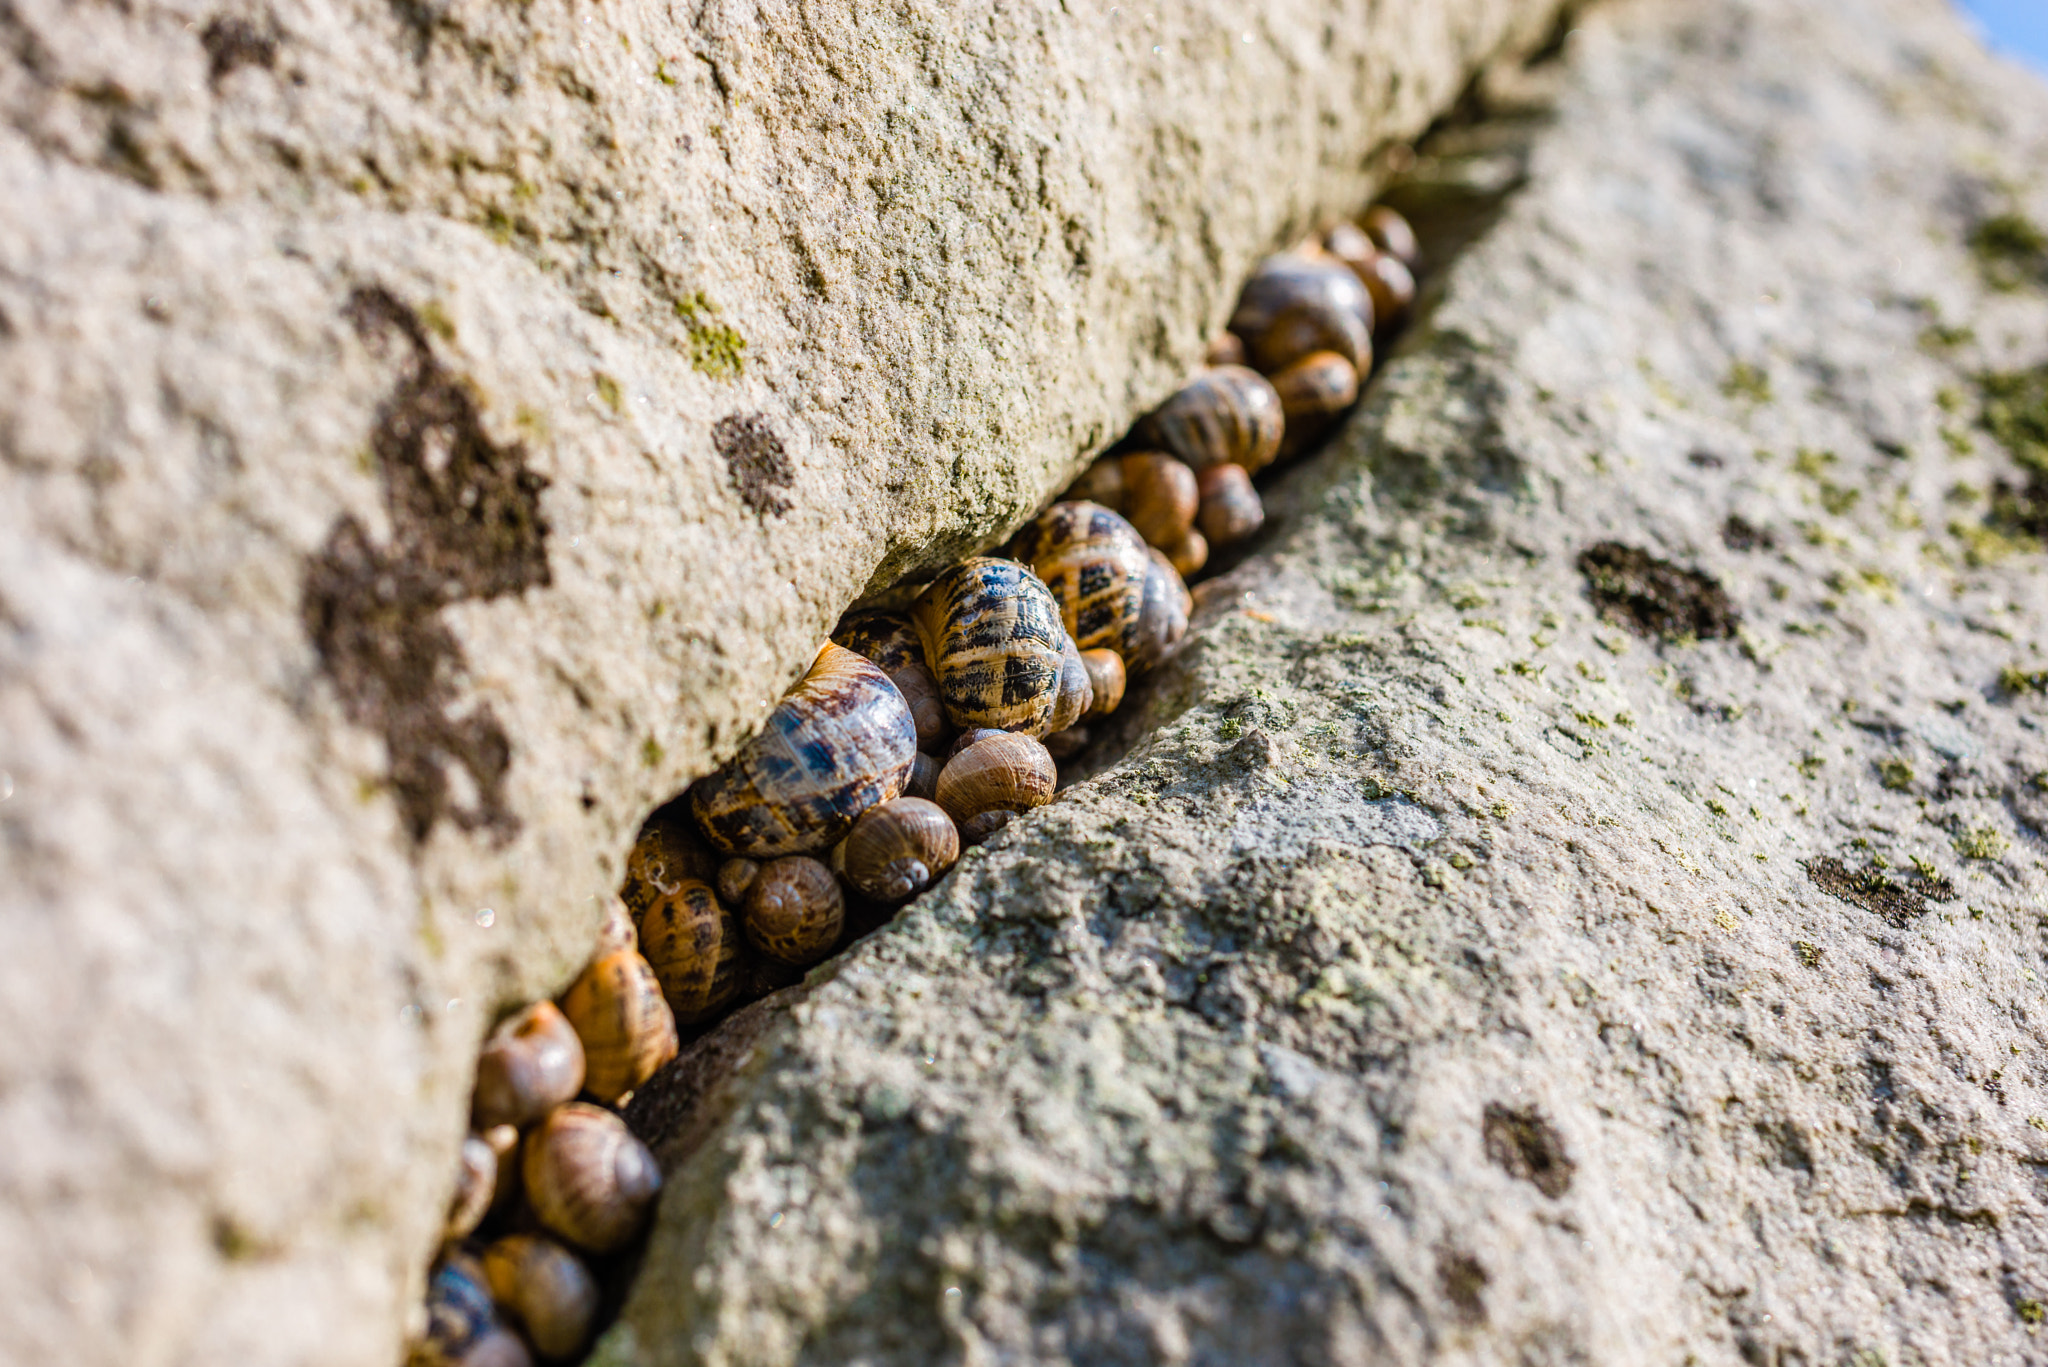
<point x="590" y="1181"/>
<point x="993" y="636"/>
<point x="1105" y="678"/>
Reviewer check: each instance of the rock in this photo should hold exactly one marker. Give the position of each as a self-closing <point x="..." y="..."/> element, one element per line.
<point x="1459" y="965"/>
<point x="431" y="433"/>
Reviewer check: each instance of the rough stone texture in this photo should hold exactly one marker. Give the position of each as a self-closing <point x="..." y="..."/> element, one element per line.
<point x="1451" y="972"/>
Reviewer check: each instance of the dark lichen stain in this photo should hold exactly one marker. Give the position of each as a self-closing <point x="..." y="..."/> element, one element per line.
<point x="1738" y="534"/>
<point x="754" y="456"/>
<point x="2010" y="250"/>
<point x="232" y="43"/>
<point x="1653" y="597"/>
<point x="1874" y="892"/>
<point x="466" y="523"/>
<point x="1527" y="1146"/>
<point x="1462" y="1279"/>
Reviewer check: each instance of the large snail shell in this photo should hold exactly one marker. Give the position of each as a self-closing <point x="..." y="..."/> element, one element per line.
<point x="459" y="1312"/>
<point x="1231" y="510"/>
<point x="1313" y="391"/>
<point x="1392" y="234"/>
<point x="891" y="643"/>
<point x="590" y="1181"/>
<point x="668" y="850"/>
<point x="1077" y="691"/>
<point x="795" y="910"/>
<point x="900" y="848"/>
<point x="1105" y="679"/>
<point x="546" y="1288"/>
<point x="1094" y="563"/>
<point x="1296" y="304"/>
<point x="1002" y="773"/>
<point x="627" y="1030"/>
<point x="1164" y="617"/>
<point x="840" y="742"/>
<point x="531" y="1064"/>
<point x="693" y="944"/>
<point x="1159" y="496"/>
<point x="992" y="636"/>
<point x="1226" y="413"/>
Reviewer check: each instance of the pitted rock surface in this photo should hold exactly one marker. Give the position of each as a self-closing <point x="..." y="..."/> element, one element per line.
<point x="1697" y="1014"/>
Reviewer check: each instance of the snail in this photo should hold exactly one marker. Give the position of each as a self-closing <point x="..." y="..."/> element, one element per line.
<point x="1105" y="678"/>
<point x="795" y="910"/>
<point x="1002" y="773"/>
<point x="890" y="643"/>
<point x="1231" y="510"/>
<point x="546" y="1289"/>
<point x="531" y="1064"/>
<point x="1350" y="244"/>
<point x="627" y="1029"/>
<point x="924" y="777"/>
<point x="693" y="944"/>
<point x="1225" y="348"/>
<point x="1159" y="496"/>
<point x="839" y="742"/>
<point x="462" y="1323"/>
<point x="992" y="633"/>
<point x="1313" y="391"/>
<point x="1164" y="617"/>
<point x="898" y="849"/>
<point x="735" y="876"/>
<point x="476" y="1181"/>
<point x="1391" y="233"/>
<point x="1392" y="286"/>
<point x="667" y="851"/>
<point x="1102" y="482"/>
<point x="1077" y="691"/>
<point x="1188" y="554"/>
<point x="1295" y="304"/>
<point x="1094" y="563"/>
<point x="590" y="1181"/>
<point x="1226" y="413"/>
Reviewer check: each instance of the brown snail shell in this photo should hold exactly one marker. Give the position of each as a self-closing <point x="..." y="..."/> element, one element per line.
<point x="1392" y="286"/>
<point x="978" y="828"/>
<point x="965" y="739"/>
<point x="735" y="876"/>
<point x="795" y="910"/>
<point x="1393" y="234"/>
<point x="505" y="1191"/>
<point x="616" y="930"/>
<point x="1295" y="304"/>
<point x="1102" y="482"/>
<point x="1106" y="678"/>
<point x="590" y="1181"/>
<point x="840" y="742"/>
<point x="1094" y="564"/>
<point x="1350" y="244"/>
<point x="891" y="643"/>
<point x="1225" y="348"/>
<point x="1189" y="554"/>
<point x="900" y="848"/>
<point x="1159" y="496"/>
<point x="692" y="942"/>
<point x="1226" y="413"/>
<point x="531" y="1064"/>
<point x="460" y="1315"/>
<point x="1064" y="745"/>
<point x="627" y="1030"/>
<point x="924" y="777"/>
<point x="1006" y="773"/>
<point x="993" y="637"/>
<point x="1077" y="693"/>
<point x="1164" y="617"/>
<point x="1231" y="510"/>
<point x="546" y="1289"/>
<point x="668" y="850"/>
<point x="476" y="1181"/>
<point x="1313" y="391"/>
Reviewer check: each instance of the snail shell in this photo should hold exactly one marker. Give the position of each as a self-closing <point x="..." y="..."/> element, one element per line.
<point x="735" y="876"/>
<point x="1094" y="564"/>
<point x="1159" y="496"/>
<point x="1350" y="244"/>
<point x="891" y="644"/>
<point x="1313" y="391"/>
<point x="1226" y="413"/>
<point x="627" y="1030"/>
<point x="590" y="1181"/>
<point x="1102" y="482"/>
<point x="667" y="851"/>
<point x="924" y="777"/>
<point x="693" y="944"/>
<point x="1164" y="618"/>
<point x="840" y="742"/>
<point x="459" y="1312"/>
<point x="976" y="829"/>
<point x="1393" y="234"/>
<point x="1231" y="510"/>
<point x="546" y="1289"/>
<point x="476" y="1181"/>
<point x="616" y="931"/>
<point x="1106" y="678"/>
<point x="1295" y="304"/>
<point x="1392" y="286"/>
<point x="900" y="848"/>
<point x="1188" y="554"/>
<point x="1225" y="348"/>
<point x="1077" y="693"/>
<point x="965" y="739"/>
<point x="1002" y="773"/>
<point x="993" y="637"/>
<point x="531" y="1064"/>
<point x="795" y="910"/>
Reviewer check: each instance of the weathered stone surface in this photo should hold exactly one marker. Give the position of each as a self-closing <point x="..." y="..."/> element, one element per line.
<point x="1457" y="973"/>
<point x="432" y="432"/>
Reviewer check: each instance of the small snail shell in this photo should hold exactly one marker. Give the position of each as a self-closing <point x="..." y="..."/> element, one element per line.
<point x="735" y="876"/>
<point x="1188" y="554"/>
<point x="627" y="1030"/>
<point x="976" y="829"/>
<point x="1313" y="391"/>
<point x="892" y="645"/>
<point x="1102" y="482"/>
<point x="531" y="1064"/>
<point x="1064" y="745"/>
<point x="1007" y="773"/>
<point x="1225" y="348"/>
<point x="497" y="1348"/>
<point x="924" y="777"/>
<point x="795" y="910"/>
<point x="1392" y="286"/>
<point x="840" y="742"/>
<point x="1231" y="510"/>
<point x="504" y="1142"/>
<point x="667" y="851"/>
<point x="993" y="637"/>
<point x="962" y="741"/>
<point x="900" y="848"/>
<point x="459" y="1312"/>
<point x="1392" y="234"/>
<point x="1094" y="564"/>
<point x="1349" y="243"/>
<point x="590" y="1181"/>
<point x="1164" y="617"/>
<point x="546" y="1289"/>
<point x="616" y="931"/>
<point x="1226" y="413"/>
<point x="476" y="1181"/>
<point x="1077" y="693"/>
<point x="1106" y="678"/>
<point x="1159" y="496"/>
<point x="693" y="944"/>
<point x="1295" y="304"/>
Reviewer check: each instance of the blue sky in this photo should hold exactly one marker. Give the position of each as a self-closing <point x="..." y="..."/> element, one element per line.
<point x="2019" y="27"/>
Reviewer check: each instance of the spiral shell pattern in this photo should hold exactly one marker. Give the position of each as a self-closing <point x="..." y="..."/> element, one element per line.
<point x="993" y="636"/>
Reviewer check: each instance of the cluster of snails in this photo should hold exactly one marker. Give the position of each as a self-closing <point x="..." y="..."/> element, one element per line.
<point x="916" y="732"/>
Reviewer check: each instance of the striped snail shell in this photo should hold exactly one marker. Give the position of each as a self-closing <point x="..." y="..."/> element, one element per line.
<point x="1163" y="619"/>
<point x="735" y="876"/>
<point x="1231" y="510"/>
<point x="924" y="777"/>
<point x="1002" y="773"/>
<point x="667" y="851"/>
<point x="1095" y="564"/>
<point x="1105" y="679"/>
<point x="1077" y="692"/>
<point x="891" y="644"/>
<point x="590" y="1181"/>
<point x="460" y="1315"/>
<point x="1159" y="496"/>
<point x="1226" y="413"/>
<point x="795" y="910"/>
<point x="993" y="636"/>
<point x="1295" y="304"/>
<point x="627" y="1030"/>
<point x="531" y="1064"/>
<point x="1187" y="555"/>
<point x="841" y="741"/>
<point x="1313" y="391"/>
<point x="546" y="1289"/>
<point x="692" y="942"/>
<point x="1393" y="234"/>
<point x="900" y="848"/>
